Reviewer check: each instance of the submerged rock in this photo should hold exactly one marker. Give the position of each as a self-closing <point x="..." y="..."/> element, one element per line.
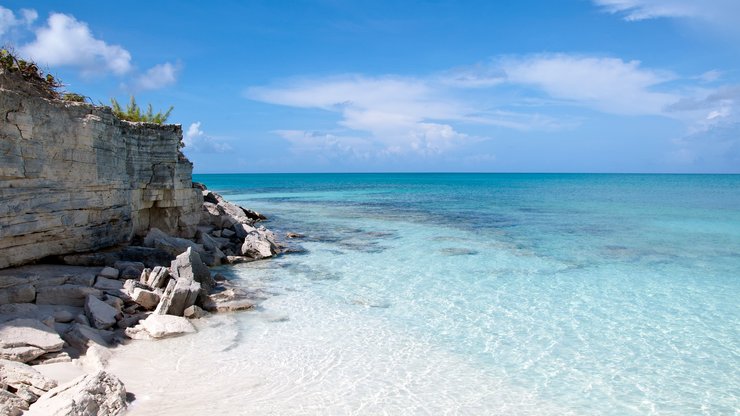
<point x="229" y="300"/>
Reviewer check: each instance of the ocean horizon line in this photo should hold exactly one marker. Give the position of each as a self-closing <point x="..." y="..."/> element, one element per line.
<point x="475" y="173"/>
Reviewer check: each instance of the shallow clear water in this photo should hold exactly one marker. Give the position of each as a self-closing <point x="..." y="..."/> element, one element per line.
<point x="472" y="294"/>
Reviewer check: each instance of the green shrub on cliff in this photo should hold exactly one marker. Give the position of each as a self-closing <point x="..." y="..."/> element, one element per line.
<point x="134" y="113"/>
<point x="30" y="72"/>
<point x="73" y="97"/>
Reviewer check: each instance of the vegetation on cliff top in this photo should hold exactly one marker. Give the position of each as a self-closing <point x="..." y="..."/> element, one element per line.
<point x="134" y="113"/>
<point x="30" y="72"/>
<point x="48" y="86"/>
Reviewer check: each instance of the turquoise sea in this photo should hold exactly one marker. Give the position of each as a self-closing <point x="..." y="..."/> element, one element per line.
<point x="542" y="294"/>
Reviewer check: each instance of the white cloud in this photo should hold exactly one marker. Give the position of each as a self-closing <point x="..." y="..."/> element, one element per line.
<point x="8" y="19"/>
<point x="328" y="146"/>
<point x="429" y="115"/>
<point x="708" y="108"/>
<point x="29" y="16"/>
<point x="196" y="140"/>
<point x="610" y="85"/>
<point x="723" y="15"/>
<point x="65" y="41"/>
<point x="716" y="149"/>
<point x="193" y="131"/>
<point x="710" y="76"/>
<point x="651" y="9"/>
<point x="158" y="76"/>
<point x="399" y="113"/>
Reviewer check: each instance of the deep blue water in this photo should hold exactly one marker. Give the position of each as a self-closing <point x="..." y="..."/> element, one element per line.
<point x="561" y="293"/>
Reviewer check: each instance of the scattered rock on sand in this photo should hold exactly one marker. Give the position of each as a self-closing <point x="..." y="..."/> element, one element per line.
<point x="188" y="265"/>
<point x="73" y="295"/>
<point x="194" y="312"/>
<point x="25" y="339"/>
<point x="24" y="382"/>
<point x="229" y="300"/>
<point x="80" y="337"/>
<point x="123" y="264"/>
<point x="11" y="405"/>
<point x="178" y="296"/>
<point x="109" y="272"/>
<point x="158" y="277"/>
<point x="17" y="294"/>
<point x="100" y="314"/>
<point x="130" y="273"/>
<point x="161" y="326"/>
<point x="100" y="393"/>
<point x="146" y="298"/>
<point x="104" y="283"/>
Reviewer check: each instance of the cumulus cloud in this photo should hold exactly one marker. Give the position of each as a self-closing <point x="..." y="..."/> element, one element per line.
<point x="62" y="40"/>
<point x="197" y="141"/>
<point x="158" y="76"/>
<point x="65" y="41"/>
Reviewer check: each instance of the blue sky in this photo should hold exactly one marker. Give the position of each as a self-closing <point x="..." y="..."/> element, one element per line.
<point x="337" y="86"/>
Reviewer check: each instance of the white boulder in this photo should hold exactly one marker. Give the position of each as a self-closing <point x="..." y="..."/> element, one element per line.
<point x="100" y="393"/>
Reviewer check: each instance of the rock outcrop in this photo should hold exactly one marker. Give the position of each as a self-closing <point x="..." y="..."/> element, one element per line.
<point x="75" y="178"/>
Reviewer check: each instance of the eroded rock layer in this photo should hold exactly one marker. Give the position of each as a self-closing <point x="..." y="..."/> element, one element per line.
<point x="75" y="178"/>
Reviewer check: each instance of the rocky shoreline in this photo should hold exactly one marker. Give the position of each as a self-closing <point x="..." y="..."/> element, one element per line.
<point x="79" y="305"/>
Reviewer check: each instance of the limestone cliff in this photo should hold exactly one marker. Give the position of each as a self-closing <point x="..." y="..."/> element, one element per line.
<point x="75" y="178"/>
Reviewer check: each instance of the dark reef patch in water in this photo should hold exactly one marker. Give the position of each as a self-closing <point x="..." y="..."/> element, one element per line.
<point x="312" y="273"/>
<point x="458" y="251"/>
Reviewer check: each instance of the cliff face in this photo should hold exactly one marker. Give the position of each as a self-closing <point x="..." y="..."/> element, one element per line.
<point x="75" y="178"/>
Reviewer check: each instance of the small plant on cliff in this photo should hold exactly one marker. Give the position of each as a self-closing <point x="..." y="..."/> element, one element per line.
<point x="134" y="113"/>
<point x="73" y="97"/>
